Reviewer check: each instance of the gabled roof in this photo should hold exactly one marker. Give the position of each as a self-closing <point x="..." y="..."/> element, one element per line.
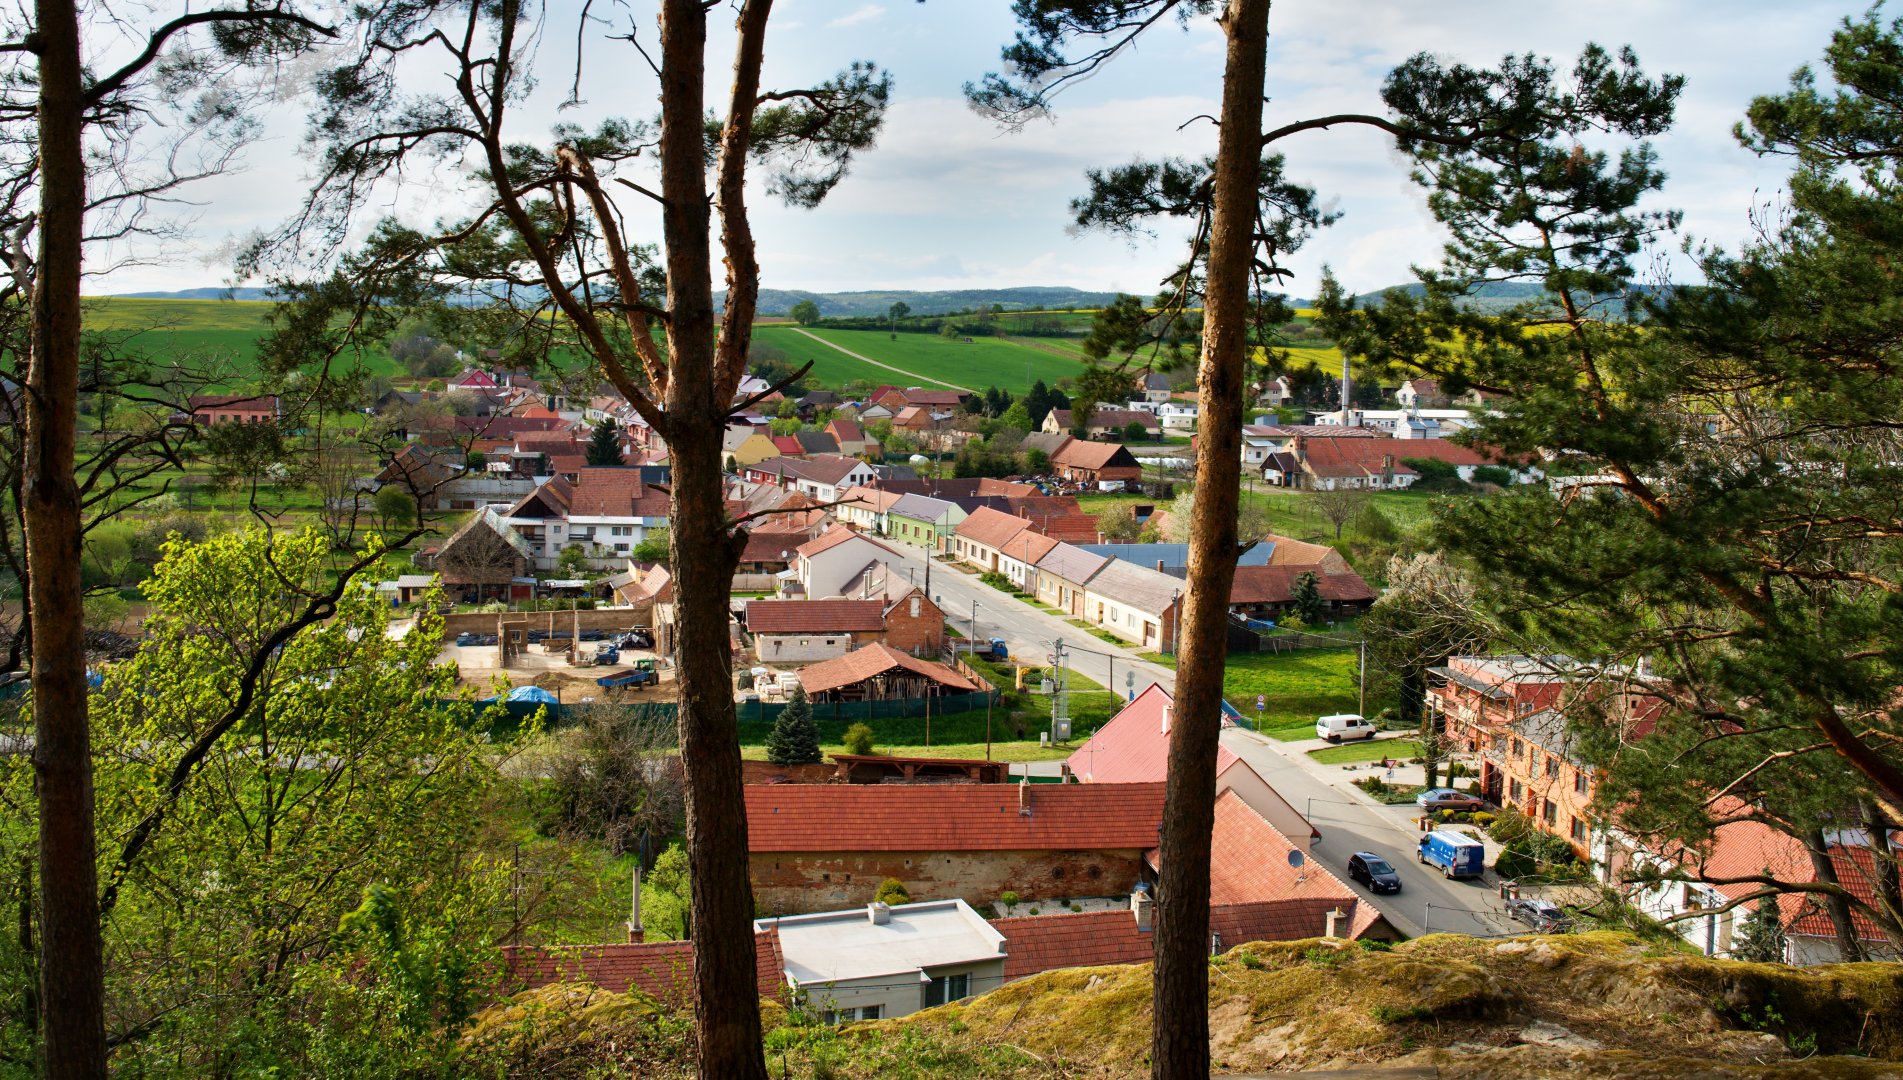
<point x="1138" y="587"/>
<point x="550" y="499"/>
<point x="815" y="616"/>
<point x="846" y="430"/>
<point x="875" y="660"/>
<point x="834" y="537"/>
<point x="973" y="817"/>
<point x="876" y="500"/>
<point x="829" y="469"/>
<point x="241" y="402"/>
<point x="1249" y="860"/>
<point x="1083" y="454"/>
<point x="1134" y="745"/>
<point x="1029" y="546"/>
<point x="992" y="528"/>
<point x="1351" y="457"/>
<point x="1276" y="585"/>
<point x="1048" y="441"/>
<point x="816" y="442"/>
<point x="766" y="547"/>
<point x="616" y="491"/>
<point x="1034" y="943"/>
<point x="1073" y="564"/>
<point x="922" y="508"/>
<point x="1107" y="418"/>
<point x="787" y="444"/>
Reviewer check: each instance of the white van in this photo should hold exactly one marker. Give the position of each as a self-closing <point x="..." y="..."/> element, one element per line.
<point x="1343" y="727"/>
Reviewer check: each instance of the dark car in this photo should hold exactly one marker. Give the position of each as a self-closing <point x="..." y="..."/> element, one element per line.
<point x="1374" y="872"/>
<point x="1542" y="915"/>
<point x="1449" y="799"/>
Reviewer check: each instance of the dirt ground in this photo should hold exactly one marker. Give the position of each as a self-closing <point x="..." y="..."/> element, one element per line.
<point x="476" y="665"/>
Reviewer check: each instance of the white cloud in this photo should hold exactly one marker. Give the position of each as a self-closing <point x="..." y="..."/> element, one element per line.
<point x="865" y="13"/>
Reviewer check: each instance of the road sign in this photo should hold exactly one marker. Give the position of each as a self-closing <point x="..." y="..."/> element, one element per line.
<point x="1261" y="701"/>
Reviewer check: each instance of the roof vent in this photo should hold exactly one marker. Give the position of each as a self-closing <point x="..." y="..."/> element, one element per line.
<point x="880" y="914"/>
<point x="1166" y="718"/>
<point x="1024" y="797"/>
<point x="1142" y="908"/>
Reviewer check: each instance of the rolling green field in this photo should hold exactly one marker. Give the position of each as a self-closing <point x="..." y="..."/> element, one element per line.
<point x="200" y="334"/>
<point x="1296" y="513"/>
<point x="984" y="362"/>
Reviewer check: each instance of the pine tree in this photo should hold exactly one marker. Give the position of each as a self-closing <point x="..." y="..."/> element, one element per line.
<point x="604" y="447"/>
<point x="795" y="738"/>
<point x="1306" y="599"/>
<point x="1761" y="938"/>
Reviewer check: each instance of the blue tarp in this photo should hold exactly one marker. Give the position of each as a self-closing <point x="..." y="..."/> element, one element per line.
<point x="534" y="695"/>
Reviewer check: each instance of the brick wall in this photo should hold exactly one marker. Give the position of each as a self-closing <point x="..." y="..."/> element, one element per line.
<point x="794" y="883"/>
<point x="765" y="772"/>
<point x="920" y="635"/>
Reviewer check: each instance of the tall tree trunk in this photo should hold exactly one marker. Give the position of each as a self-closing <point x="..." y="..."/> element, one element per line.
<point x="1179" y="1041"/>
<point x="727" y="1004"/>
<point x="72" y="968"/>
<point x="1889" y="891"/>
<point x="1849" y="948"/>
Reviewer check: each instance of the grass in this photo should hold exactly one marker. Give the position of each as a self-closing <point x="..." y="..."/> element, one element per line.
<point x="202" y="334"/>
<point x="1297" y="687"/>
<point x="984" y="362"/>
<point x="1366" y="750"/>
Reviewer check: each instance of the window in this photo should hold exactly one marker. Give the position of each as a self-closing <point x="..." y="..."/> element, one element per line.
<point x="621" y="530"/>
<point x="946" y="988"/>
<point x="1552" y="766"/>
<point x="1517" y="748"/>
<point x="1514" y="789"/>
<point x="1579" y="782"/>
<point x="1579" y="831"/>
<point x="1551" y="813"/>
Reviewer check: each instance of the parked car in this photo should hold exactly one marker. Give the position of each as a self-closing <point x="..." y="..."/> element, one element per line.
<point x="468" y="637"/>
<point x="1374" y="872"/>
<point x="1542" y="915"/>
<point x="1446" y="798"/>
<point x="1343" y="727"/>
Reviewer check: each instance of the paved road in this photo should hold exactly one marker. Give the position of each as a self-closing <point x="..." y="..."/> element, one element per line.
<point x="1349" y="822"/>
<point x="882" y="364"/>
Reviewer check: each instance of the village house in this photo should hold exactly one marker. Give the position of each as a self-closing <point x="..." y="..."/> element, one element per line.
<point x="1062" y="575"/>
<point x="747" y="445"/>
<point x="212" y="410"/>
<point x="1421" y="394"/>
<point x="865" y="508"/>
<point x="606" y="513"/>
<point x="979" y="540"/>
<point x="1155" y="387"/>
<point x="835" y="563"/>
<point x="1047" y="443"/>
<point x="485" y="559"/>
<point x="823" y="846"/>
<point x="1102" y="465"/>
<point x="804" y="631"/>
<point x="825" y="478"/>
<point x="877" y="962"/>
<point x="922" y="521"/>
<point x="880" y="672"/>
<point x="1136" y="603"/>
<point x="852" y="438"/>
<point x="1275" y="393"/>
<point x="1018" y="558"/>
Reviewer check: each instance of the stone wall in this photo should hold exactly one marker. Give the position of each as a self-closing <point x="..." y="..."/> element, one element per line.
<point x="616" y="619"/>
<point x="795" y="883"/>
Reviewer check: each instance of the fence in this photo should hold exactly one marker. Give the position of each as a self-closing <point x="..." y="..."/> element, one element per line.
<point x="1243" y="639"/>
<point x="756" y="712"/>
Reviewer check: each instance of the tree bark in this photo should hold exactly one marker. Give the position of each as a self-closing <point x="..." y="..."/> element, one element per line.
<point x="727" y="1006"/>
<point x="1179" y="1041"/>
<point x="72" y="967"/>
<point x="1850" y="948"/>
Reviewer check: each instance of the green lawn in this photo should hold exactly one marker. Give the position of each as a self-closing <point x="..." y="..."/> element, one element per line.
<point x="200" y="334"/>
<point x="1297" y="687"/>
<point x="1366" y="750"/>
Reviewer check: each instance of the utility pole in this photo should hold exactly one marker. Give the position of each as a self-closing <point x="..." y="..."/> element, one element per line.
<point x="974" y="625"/>
<point x="1364" y="677"/>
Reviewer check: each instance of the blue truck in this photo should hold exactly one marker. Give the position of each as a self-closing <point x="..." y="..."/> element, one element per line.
<point x="1457" y="854"/>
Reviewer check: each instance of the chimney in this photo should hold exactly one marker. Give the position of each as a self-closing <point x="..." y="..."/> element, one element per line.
<point x="1333" y="928"/>
<point x="1142" y="907"/>
<point x="1166" y="718"/>
<point x="1159" y="566"/>
<point x="636" y="932"/>
<point x="1024" y="797"/>
<point x="880" y="914"/>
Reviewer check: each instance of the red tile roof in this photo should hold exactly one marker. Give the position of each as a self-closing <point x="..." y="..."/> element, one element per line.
<point x="1249" y="861"/>
<point x="992" y="528"/>
<point x="607" y="491"/>
<point x="1352" y="457"/>
<point x="766" y="547"/>
<point x="1134" y="745"/>
<point x="787" y="444"/>
<point x="874" y="660"/>
<point x="1046" y="942"/>
<point x="1082" y="454"/>
<point x="832" y="538"/>
<point x="664" y="969"/>
<point x="976" y="817"/>
<point x="814" y="616"/>
<point x="1029" y="546"/>
<point x="1276" y="585"/>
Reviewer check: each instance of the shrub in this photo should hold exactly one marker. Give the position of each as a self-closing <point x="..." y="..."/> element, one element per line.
<point x="1033" y="910"/>
<point x="1455" y="770"/>
<point x="1009" y="899"/>
<point x="892" y="891"/>
<point x="858" y="740"/>
<point x="1493" y="474"/>
<point x="1483" y="819"/>
<point x="997" y="581"/>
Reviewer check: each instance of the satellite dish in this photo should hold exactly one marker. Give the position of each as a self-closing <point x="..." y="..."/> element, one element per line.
<point x="1295" y="859"/>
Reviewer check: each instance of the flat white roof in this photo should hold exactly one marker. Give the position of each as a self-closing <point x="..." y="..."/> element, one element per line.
<point x="839" y="946"/>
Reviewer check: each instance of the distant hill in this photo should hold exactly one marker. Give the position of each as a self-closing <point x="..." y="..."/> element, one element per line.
<point x="204" y="294"/>
<point x="1026" y="298"/>
<point x="1493" y="297"/>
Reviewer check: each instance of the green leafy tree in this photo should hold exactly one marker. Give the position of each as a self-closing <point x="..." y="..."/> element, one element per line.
<point x="572" y="562"/>
<point x="806" y="313"/>
<point x="1117" y="524"/>
<point x="1036" y="462"/>
<point x="1134" y="431"/>
<point x="654" y="547"/>
<point x="396" y="507"/>
<point x="1017" y="417"/>
<point x="899" y="310"/>
<point x="858" y="739"/>
<point x="604" y="444"/>
<point x="794" y="739"/>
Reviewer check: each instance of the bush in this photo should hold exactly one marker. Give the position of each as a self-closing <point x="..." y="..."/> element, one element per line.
<point x="1455" y="770"/>
<point x="997" y="581"/>
<point x="892" y="891"/>
<point x="1509" y="825"/>
<point x="858" y="740"/>
<point x="1482" y="819"/>
<point x="1493" y="474"/>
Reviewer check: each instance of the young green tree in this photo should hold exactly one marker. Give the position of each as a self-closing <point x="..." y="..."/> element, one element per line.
<point x="899" y="310"/>
<point x="604" y="444"/>
<point x="572" y="562"/>
<point x="806" y="313"/>
<point x="396" y="507"/>
<point x="794" y="739"/>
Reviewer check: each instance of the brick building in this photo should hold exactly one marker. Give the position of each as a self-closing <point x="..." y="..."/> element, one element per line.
<point x="801" y="631"/>
<point x="820" y="847"/>
<point x="211" y="410"/>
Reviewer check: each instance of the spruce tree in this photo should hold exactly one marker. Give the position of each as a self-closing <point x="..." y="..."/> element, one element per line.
<point x="1761" y="938"/>
<point x="604" y="447"/>
<point x="795" y="738"/>
<point x="1306" y="599"/>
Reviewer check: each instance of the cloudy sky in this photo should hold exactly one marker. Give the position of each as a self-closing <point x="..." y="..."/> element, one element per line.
<point x="949" y="201"/>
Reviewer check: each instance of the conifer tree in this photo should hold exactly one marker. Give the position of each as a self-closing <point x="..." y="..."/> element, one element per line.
<point x="795" y="738"/>
<point x="1761" y="938"/>
<point x="1305" y="599"/>
<point x="604" y="446"/>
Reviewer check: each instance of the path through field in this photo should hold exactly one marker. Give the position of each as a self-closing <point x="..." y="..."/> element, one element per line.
<point x="876" y="363"/>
